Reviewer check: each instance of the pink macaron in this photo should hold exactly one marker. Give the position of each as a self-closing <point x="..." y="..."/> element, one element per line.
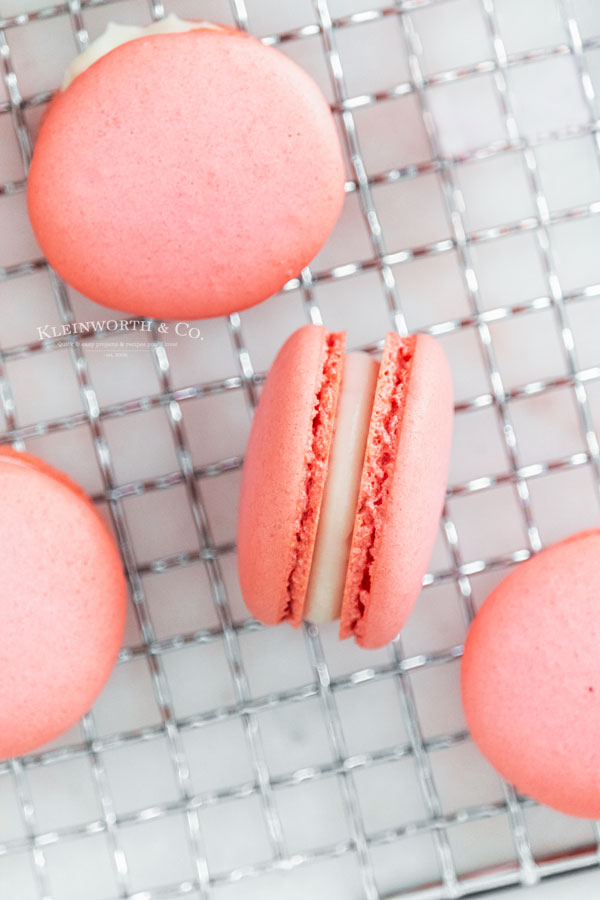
<point x="62" y="603"/>
<point x="531" y="676"/>
<point x="343" y="483"/>
<point x="185" y="175"/>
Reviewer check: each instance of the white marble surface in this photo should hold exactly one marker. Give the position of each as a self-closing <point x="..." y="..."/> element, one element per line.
<point x="112" y="825"/>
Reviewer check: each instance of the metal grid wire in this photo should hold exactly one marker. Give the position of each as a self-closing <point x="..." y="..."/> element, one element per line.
<point x="324" y="687"/>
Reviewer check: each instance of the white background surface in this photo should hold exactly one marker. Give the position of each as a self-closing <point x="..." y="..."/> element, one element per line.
<point x="105" y="802"/>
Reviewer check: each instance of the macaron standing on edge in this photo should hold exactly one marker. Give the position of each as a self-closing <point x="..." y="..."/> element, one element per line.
<point x="531" y="676"/>
<point x="184" y="174"/>
<point x="62" y="603"/>
<point x="303" y="446"/>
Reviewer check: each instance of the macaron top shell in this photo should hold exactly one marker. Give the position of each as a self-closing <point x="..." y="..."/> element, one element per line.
<point x="62" y="603"/>
<point x="531" y="676"/>
<point x="402" y="490"/>
<point x="185" y="175"/>
<point x="284" y="474"/>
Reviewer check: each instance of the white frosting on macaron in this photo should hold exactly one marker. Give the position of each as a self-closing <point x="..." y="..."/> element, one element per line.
<point x="115" y="35"/>
<point x="340" y="494"/>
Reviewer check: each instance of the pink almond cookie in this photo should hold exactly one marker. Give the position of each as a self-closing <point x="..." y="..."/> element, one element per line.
<point x="531" y="676"/>
<point x="62" y="603"/>
<point x="185" y="175"/>
<point x="344" y="482"/>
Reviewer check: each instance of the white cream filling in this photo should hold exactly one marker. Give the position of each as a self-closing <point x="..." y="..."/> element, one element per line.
<point x="340" y="494"/>
<point x="115" y="35"/>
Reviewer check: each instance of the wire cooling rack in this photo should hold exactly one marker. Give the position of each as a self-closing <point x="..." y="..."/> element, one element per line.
<point x="224" y="760"/>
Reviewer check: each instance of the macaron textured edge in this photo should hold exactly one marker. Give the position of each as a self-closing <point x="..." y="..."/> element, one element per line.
<point x="402" y="490"/>
<point x="374" y="492"/>
<point x="316" y="458"/>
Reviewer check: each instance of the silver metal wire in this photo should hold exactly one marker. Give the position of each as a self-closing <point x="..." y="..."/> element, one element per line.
<point x="526" y="868"/>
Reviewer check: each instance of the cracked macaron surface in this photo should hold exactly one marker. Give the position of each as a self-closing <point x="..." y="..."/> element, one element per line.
<point x="399" y="491"/>
<point x="62" y="601"/>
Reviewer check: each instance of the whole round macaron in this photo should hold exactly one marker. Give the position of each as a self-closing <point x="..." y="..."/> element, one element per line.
<point x="531" y="676"/>
<point x="186" y="174"/>
<point x="343" y="483"/>
<point x="62" y="603"/>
